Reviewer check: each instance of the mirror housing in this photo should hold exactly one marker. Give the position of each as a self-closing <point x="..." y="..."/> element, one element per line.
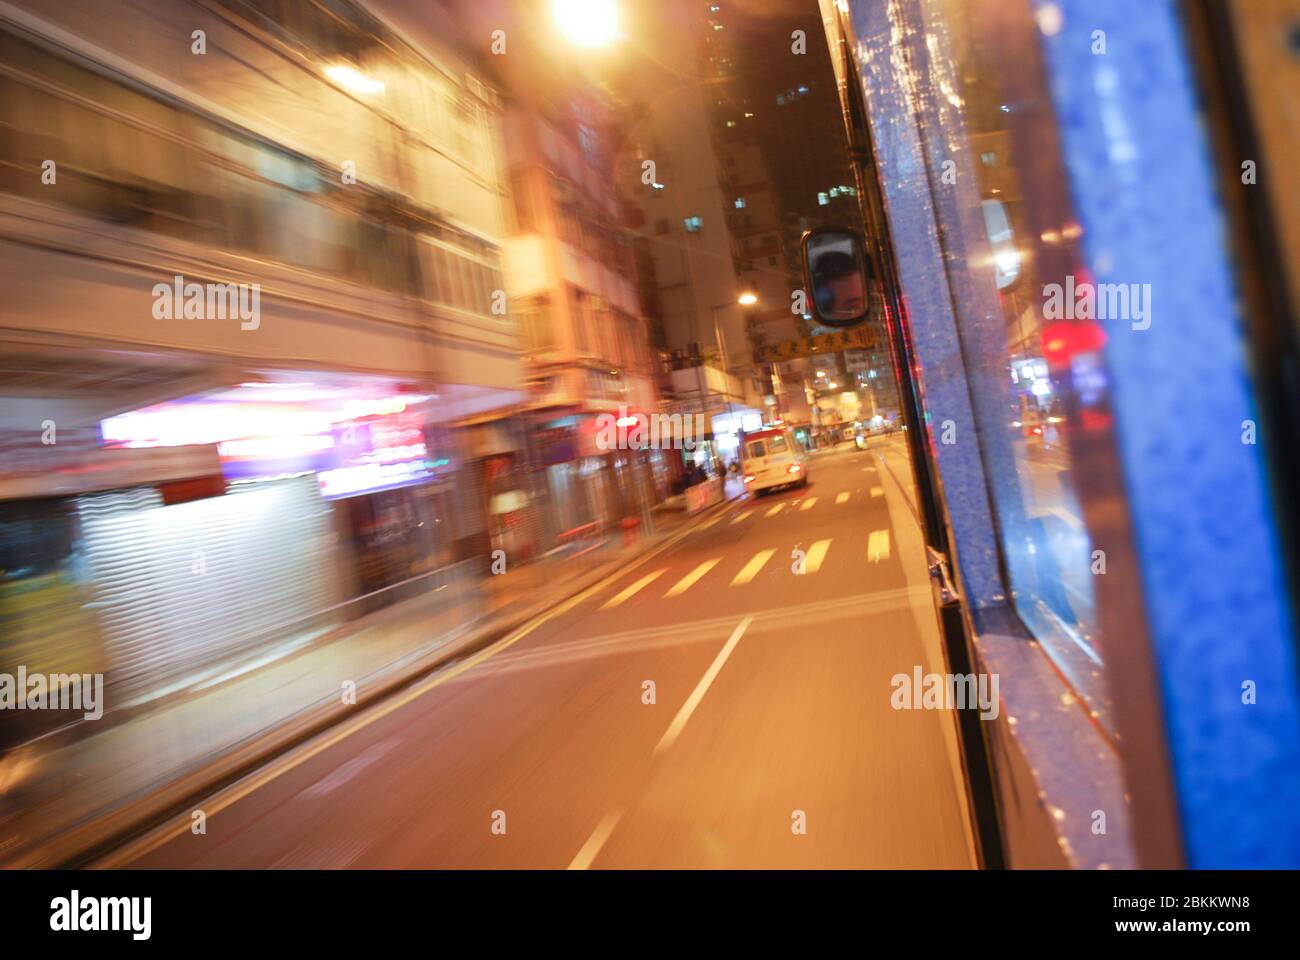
<point x="837" y="276"/>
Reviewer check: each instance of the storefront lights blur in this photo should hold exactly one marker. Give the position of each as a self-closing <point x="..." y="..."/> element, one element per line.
<point x="216" y="421"/>
<point x="180" y="424"/>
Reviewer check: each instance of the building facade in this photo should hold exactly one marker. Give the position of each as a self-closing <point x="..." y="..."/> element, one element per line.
<point x="251" y="251"/>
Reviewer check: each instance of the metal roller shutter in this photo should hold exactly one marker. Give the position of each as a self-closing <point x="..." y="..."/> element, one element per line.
<point x="183" y="587"/>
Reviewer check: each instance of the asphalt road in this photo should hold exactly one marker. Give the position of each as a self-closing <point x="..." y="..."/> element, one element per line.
<point x="770" y="741"/>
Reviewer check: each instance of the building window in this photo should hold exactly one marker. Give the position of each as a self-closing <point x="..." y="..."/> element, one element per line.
<point x="740" y="203"/>
<point x="693" y="224"/>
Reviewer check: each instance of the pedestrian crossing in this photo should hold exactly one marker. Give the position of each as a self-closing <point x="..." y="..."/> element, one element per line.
<point x="688" y="581"/>
<point x="627" y="594"/>
<point x="816" y="554"/>
<point x="750" y="570"/>
<point x="852" y="550"/>
<point x="743" y="511"/>
<point x="878" y="546"/>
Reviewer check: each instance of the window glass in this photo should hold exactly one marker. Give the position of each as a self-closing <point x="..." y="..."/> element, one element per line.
<point x="777" y="445"/>
<point x="756" y="449"/>
<point x="1038" y="415"/>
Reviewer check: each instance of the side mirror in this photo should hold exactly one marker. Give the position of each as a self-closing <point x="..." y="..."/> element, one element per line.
<point x="837" y="274"/>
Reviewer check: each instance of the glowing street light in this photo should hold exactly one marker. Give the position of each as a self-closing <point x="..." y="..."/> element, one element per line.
<point x="747" y="299"/>
<point x="353" y="79"/>
<point x="586" y="23"/>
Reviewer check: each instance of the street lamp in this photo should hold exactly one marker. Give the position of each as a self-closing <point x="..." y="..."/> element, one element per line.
<point x="586" y="23"/>
<point x="746" y="299"/>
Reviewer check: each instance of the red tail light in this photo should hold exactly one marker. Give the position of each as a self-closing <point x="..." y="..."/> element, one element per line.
<point x="793" y="468"/>
<point x="749" y="478"/>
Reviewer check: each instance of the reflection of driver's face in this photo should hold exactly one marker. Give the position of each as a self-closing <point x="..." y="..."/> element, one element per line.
<point x="847" y="294"/>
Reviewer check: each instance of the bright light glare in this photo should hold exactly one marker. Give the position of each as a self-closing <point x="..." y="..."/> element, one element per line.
<point x="353" y="79"/>
<point x="747" y="298"/>
<point x="587" y="23"/>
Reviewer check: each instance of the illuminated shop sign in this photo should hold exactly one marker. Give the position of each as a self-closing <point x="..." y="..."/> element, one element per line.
<point x="376" y="454"/>
<point x="363" y="445"/>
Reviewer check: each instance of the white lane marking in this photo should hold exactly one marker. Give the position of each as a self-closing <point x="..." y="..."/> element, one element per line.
<point x="816" y="554"/>
<point x="877" y="491"/>
<point x="878" y="546"/>
<point x="597" y="840"/>
<point x="807" y="504"/>
<point x="679" y="722"/>
<point x="688" y="581"/>
<point x="641" y="584"/>
<point x="341" y="775"/>
<point x="842" y="497"/>
<point x="775" y="510"/>
<point x="751" y="569"/>
<point x="741" y="516"/>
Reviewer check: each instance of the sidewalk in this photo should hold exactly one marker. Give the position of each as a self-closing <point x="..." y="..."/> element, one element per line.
<point x="82" y="791"/>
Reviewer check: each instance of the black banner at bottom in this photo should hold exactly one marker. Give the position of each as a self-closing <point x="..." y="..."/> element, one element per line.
<point x="370" y="909"/>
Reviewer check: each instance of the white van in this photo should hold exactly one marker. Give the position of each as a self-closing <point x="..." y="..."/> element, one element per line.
<point x="772" y="458"/>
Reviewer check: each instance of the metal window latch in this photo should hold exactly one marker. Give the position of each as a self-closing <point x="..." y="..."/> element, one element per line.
<point x="945" y="591"/>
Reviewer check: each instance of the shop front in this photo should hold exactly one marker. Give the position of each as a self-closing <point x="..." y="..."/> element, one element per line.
<point x="329" y="504"/>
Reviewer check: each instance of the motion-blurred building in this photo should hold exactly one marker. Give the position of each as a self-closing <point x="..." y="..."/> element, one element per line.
<point x="251" y="255"/>
<point x="572" y="278"/>
<point x="781" y="90"/>
<point x="702" y="225"/>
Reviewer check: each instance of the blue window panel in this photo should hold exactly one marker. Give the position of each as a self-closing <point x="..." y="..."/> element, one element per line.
<point x="1213" y="581"/>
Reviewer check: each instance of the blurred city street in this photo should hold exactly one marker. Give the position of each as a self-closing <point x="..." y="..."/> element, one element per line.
<point x="682" y="434"/>
<point x="767" y="703"/>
